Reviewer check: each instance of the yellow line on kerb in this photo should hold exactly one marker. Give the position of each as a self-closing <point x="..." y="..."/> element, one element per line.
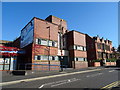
<point x="114" y="84"/>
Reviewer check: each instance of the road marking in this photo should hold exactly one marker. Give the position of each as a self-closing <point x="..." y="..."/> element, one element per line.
<point x="61" y="81"/>
<point x="114" y="84"/>
<point x="69" y="81"/>
<point x="46" y="77"/>
<point x="41" y="86"/>
<point x="93" y="75"/>
<point x="112" y="71"/>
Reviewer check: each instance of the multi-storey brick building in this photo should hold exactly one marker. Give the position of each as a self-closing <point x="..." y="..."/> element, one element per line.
<point x="76" y="43"/>
<point x="98" y="48"/>
<point x="47" y="41"/>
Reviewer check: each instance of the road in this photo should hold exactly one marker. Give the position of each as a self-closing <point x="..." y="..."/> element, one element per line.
<point x="99" y="78"/>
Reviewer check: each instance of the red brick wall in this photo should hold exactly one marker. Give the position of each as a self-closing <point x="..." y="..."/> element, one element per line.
<point x="110" y="63"/>
<point x="46" y="67"/>
<point x="79" y="38"/>
<point x="96" y="64"/>
<point x="80" y="53"/>
<point x="41" y="30"/>
<point x="79" y="64"/>
<point x="91" y="51"/>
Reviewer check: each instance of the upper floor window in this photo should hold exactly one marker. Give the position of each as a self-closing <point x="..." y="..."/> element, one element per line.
<point x="98" y="45"/>
<point x="46" y="42"/>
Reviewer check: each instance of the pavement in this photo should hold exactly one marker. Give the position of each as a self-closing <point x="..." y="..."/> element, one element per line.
<point x="9" y="76"/>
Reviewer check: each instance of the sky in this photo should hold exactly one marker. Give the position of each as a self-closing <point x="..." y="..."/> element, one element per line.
<point x="92" y="18"/>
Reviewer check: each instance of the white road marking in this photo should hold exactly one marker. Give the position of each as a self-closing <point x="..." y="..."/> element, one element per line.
<point x="46" y="77"/>
<point x="112" y="71"/>
<point x="41" y="86"/>
<point x="93" y="75"/>
<point x="59" y="82"/>
<point x="69" y="81"/>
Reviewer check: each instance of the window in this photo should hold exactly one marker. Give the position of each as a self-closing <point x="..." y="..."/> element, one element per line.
<point x="53" y="57"/>
<point x="50" y="58"/>
<point x="103" y="47"/>
<point x="36" y="41"/>
<point x="44" y="57"/>
<point x="76" y="59"/>
<point x="85" y="59"/>
<point x="55" y="44"/>
<point x="44" y="42"/>
<point x="99" y="55"/>
<point x="84" y="48"/>
<point x="56" y="57"/>
<point x="98" y="45"/>
<point x="37" y="58"/>
<point x="50" y="43"/>
<point x="80" y="59"/>
<point x="75" y="47"/>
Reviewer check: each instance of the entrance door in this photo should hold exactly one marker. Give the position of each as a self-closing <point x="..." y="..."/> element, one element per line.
<point x="63" y="61"/>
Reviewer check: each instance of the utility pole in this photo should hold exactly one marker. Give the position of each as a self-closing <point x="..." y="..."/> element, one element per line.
<point x="49" y="48"/>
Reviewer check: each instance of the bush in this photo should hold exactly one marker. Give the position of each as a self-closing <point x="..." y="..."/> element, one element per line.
<point x="111" y="60"/>
<point x="97" y="60"/>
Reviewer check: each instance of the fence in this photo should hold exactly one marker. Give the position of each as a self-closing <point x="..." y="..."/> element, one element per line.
<point x="42" y="67"/>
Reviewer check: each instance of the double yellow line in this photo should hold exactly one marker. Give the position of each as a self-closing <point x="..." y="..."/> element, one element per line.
<point x="114" y="84"/>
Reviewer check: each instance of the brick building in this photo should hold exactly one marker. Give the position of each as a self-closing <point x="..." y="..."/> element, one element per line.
<point x="76" y="43"/>
<point x="8" y="55"/>
<point x="47" y="41"/>
<point x="98" y="48"/>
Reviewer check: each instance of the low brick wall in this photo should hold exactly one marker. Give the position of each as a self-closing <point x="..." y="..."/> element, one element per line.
<point x="80" y="64"/>
<point x="96" y="64"/>
<point x="110" y="64"/>
<point x="46" y="67"/>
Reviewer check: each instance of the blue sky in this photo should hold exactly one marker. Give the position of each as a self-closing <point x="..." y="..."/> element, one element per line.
<point x="93" y="18"/>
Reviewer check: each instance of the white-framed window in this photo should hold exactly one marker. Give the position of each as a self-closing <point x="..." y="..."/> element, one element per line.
<point x="44" y="42"/>
<point x="80" y="59"/>
<point x="85" y="59"/>
<point x="56" y="57"/>
<point x="37" y="40"/>
<point x="75" y="47"/>
<point x="45" y="57"/>
<point x="37" y="57"/>
<point x="84" y="48"/>
<point x="76" y="59"/>
<point x="50" y="58"/>
<point x="55" y="44"/>
<point x="49" y="43"/>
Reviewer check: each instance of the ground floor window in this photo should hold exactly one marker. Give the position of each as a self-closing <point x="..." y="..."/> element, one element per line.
<point x="80" y="59"/>
<point x="45" y="57"/>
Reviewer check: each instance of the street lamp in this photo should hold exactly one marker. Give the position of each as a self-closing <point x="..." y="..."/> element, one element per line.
<point x="48" y="48"/>
<point x="61" y="32"/>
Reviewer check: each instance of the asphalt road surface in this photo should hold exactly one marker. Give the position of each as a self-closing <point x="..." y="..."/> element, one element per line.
<point x="99" y="78"/>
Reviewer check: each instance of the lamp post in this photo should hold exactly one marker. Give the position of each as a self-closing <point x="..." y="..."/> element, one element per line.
<point x="49" y="48"/>
<point x="61" y="59"/>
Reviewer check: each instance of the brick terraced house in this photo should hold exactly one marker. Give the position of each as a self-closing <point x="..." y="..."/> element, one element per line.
<point x="98" y="48"/>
